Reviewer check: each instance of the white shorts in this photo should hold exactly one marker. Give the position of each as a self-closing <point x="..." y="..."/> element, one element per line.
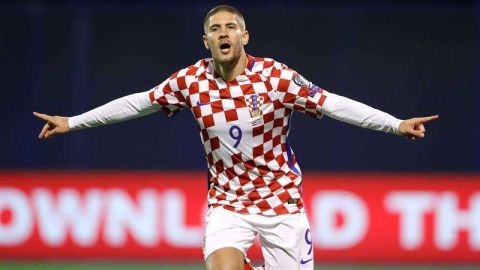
<point x="286" y="240"/>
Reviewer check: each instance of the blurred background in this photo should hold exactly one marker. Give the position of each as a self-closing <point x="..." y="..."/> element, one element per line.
<point x="408" y="58"/>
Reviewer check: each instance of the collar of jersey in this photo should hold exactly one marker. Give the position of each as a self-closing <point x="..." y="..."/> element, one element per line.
<point x="213" y="75"/>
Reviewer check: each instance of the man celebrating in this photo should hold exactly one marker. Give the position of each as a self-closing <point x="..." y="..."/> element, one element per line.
<point x="242" y="106"/>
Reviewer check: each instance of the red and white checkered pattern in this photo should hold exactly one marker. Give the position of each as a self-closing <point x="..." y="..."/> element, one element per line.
<point x="244" y="126"/>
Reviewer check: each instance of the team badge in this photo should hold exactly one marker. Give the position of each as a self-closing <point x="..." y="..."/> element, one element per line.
<point x="254" y="104"/>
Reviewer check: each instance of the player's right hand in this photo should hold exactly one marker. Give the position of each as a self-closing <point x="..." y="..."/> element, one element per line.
<point x="55" y="125"/>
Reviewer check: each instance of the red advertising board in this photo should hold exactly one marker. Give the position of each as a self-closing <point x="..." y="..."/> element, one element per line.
<point x="159" y="216"/>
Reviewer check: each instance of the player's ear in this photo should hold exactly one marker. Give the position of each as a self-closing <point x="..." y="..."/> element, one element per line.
<point x="245" y="37"/>
<point x="205" y="42"/>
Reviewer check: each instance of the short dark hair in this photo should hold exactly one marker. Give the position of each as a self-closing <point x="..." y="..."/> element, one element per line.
<point x="228" y="9"/>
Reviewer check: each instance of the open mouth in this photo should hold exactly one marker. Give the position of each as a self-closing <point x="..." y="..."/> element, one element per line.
<point x="225" y="48"/>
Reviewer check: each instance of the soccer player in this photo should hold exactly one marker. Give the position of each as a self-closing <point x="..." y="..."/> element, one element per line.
<point x="243" y="106"/>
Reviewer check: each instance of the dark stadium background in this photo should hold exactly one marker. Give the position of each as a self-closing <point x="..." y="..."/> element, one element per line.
<point x="408" y="58"/>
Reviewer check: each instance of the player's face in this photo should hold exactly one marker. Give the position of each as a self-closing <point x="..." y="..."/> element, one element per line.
<point x="225" y="37"/>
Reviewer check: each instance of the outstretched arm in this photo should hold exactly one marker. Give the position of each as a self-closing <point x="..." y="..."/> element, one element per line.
<point x="356" y="113"/>
<point x="121" y="109"/>
<point x="297" y="93"/>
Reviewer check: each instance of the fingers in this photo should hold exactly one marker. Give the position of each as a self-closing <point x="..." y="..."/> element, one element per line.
<point x="416" y="133"/>
<point x="428" y="118"/>
<point x="50" y="128"/>
<point x="50" y="133"/>
<point x="43" y="116"/>
<point x="47" y="132"/>
<point x="421" y="128"/>
<point x="415" y="130"/>
<point x="44" y="130"/>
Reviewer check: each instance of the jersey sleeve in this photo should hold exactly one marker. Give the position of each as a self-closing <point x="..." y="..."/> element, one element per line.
<point x="118" y="110"/>
<point x="295" y="92"/>
<point x="168" y="95"/>
<point x="359" y="114"/>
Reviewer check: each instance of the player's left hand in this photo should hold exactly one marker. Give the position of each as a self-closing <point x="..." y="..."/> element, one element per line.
<point x="414" y="128"/>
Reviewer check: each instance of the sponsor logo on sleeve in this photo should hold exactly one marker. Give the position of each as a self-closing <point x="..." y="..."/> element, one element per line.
<point x="313" y="89"/>
<point x="302" y="82"/>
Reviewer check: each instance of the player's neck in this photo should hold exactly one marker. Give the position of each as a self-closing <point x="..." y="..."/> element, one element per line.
<point x="229" y="71"/>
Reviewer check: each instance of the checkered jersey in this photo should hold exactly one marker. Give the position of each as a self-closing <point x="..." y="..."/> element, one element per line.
<point x="244" y="127"/>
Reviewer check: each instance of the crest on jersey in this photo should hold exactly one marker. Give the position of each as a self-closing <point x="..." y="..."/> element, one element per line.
<point x="254" y="104"/>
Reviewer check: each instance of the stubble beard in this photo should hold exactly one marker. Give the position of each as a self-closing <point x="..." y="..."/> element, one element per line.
<point x="228" y="60"/>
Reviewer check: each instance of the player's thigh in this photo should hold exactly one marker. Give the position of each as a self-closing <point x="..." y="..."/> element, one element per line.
<point x="227" y="258"/>
<point x="227" y="238"/>
<point x="288" y="245"/>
